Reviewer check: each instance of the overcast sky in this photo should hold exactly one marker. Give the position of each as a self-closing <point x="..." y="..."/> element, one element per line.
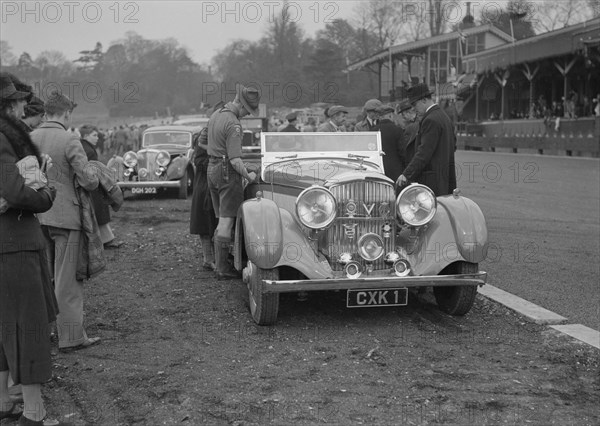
<point x="203" y="27"/>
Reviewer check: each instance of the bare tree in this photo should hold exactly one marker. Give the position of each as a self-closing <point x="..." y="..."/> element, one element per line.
<point x="554" y="14"/>
<point x="7" y="58"/>
<point x="382" y="18"/>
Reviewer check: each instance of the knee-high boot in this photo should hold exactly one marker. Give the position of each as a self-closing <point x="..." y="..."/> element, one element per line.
<point x="224" y="270"/>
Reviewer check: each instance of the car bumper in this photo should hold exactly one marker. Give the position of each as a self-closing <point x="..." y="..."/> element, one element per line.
<point x="149" y="184"/>
<point x="288" y="286"/>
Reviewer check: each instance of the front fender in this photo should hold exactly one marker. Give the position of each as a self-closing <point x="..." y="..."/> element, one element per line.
<point x="273" y="238"/>
<point x="116" y="164"/>
<point x="177" y="168"/>
<point x="263" y="237"/>
<point x="468" y="224"/>
<point x="458" y="232"/>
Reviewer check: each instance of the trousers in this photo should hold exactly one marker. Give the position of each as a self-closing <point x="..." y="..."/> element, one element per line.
<point x="63" y="248"/>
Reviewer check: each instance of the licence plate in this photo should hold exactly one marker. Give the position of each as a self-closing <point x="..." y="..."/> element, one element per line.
<point x="144" y="190"/>
<point x="370" y="298"/>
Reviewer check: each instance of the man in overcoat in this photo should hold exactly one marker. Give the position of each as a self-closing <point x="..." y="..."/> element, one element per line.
<point x="62" y="223"/>
<point x="433" y="162"/>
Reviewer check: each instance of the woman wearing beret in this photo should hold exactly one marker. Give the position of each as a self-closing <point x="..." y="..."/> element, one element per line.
<point x="27" y="303"/>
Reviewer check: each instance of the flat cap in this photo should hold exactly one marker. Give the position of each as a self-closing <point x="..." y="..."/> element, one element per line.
<point x="373" y="105"/>
<point x="336" y="109"/>
<point x="403" y="105"/>
<point x="291" y="116"/>
<point x="385" y="109"/>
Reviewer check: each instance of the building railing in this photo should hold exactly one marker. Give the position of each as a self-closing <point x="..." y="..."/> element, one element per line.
<point x="567" y="136"/>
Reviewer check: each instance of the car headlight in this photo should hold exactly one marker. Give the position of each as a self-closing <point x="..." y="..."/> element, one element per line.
<point x="130" y="159"/>
<point x="163" y="159"/>
<point x="416" y="205"/>
<point x="316" y="207"/>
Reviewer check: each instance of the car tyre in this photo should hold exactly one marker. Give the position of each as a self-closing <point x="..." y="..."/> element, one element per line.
<point x="263" y="307"/>
<point x="457" y="300"/>
<point x="184" y="185"/>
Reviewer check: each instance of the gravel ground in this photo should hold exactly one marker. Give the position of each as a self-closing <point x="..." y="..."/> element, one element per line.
<point x="179" y="347"/>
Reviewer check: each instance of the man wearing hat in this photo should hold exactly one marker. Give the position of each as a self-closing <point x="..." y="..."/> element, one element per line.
<point x="371" y="121"/>
<point x="433" y="162"/>
<point x="226" y="170"/>
<point x="62" y="223"/>
<point x="407" y="121"/>
<point x="291" y="119"/>
<point x="391" y="142"/>
<point x="337" y="118"/>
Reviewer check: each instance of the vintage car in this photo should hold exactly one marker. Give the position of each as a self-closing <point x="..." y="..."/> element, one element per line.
<point x="323" y="216"/>
<point x="192" y="121"/>
<point x="163" y="163"/>
<point x="253" y="128"/>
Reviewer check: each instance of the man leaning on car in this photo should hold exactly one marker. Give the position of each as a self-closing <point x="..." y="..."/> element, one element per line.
<point x="433" y="162"/>
<point x="226" y="169"/>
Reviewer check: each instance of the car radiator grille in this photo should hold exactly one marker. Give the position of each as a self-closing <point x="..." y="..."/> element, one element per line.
<point x="147" y="160"/>
<point x="375" y="208"/>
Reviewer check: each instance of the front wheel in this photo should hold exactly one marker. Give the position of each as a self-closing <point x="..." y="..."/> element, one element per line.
<point x="263" y="306"/>
<point x="457" y="300"/>
<point x="185" y="185"/>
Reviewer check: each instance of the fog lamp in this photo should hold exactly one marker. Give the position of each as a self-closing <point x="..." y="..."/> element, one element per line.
<point x="353" y="270"/>
<point x="159" y="171"/>
<point x="127" y="172"/>
<point x="402" y="268"/>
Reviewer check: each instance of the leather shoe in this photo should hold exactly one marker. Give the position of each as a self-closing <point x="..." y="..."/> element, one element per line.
<point x="229" y="274"/>
<point x="24" y="421"/>
<point x="11" y="414"/>
<point x="113" y="244"/>
<point x="91" y="341"/>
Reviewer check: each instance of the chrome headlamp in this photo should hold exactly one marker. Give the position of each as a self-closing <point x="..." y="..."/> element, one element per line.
<point x="130" y="159"/>
<point x="316" y="207"/>
<point x="163" y="159"/>
<point x="416" y="205"/>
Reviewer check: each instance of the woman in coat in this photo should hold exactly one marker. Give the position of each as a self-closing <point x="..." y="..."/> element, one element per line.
<point x="89" y="140"/>
<point x="27" y="302"/>
<point x="203" y="221"/>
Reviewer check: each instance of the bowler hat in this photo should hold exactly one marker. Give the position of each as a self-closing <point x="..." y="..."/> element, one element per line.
<point x="403" y="105"/>
<point x="417" y="92"/>
<point x="35" y="106"/>
<point x="57" y="103"/>
<point x="8" y="90"/>
<point x="333" y="110"/>
<point x="291" y="116"/>
<point x="373" y="105"/>
<point x="249" y="97"/>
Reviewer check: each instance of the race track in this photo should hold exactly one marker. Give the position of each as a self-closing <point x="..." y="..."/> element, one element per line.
<point x="543" y="217"/>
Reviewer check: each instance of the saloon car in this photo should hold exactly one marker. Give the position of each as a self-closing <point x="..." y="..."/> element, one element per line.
<point x="163" y="162"/>
<point x="323" y="216"/>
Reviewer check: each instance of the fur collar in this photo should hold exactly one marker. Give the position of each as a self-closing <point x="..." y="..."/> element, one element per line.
<point x="18" y="138"/>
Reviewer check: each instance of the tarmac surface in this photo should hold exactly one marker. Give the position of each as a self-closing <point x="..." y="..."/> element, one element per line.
<point x="543" y="218"/>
